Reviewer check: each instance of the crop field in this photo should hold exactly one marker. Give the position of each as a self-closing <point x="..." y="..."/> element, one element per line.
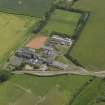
<point x="13" y="31"/>
<point x="90" y="49"/>
<point x="27" y="7"/>
<point x="31" y="90"/>
<point x="62" y="21"/>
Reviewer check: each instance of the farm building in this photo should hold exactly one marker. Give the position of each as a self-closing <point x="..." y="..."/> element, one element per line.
<point x="25" y="53"/>
<point x="49" y="51"/>
<point x="61" y="40"/>
<point x="29" y="56"/>
<point x="15" y="61"/>
<point x="31" y="61"/>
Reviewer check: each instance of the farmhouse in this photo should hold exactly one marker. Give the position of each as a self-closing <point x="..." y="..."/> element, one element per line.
<point x="61" y="40"/>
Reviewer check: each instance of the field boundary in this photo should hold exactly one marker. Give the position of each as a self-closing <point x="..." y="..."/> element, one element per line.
<point x="76" y="35"/>
<point x="81" y="24"/>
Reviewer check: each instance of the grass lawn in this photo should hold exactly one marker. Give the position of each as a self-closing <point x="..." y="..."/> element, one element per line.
<point x="62" y="21"/>
<point x="90" y="49"/>
<point x="31" y="90"/>
<point x="13" y="30"/>
<point x="28" y="7"/>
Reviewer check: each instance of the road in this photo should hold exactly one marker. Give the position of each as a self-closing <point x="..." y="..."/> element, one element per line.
<point x="71" y="70"/>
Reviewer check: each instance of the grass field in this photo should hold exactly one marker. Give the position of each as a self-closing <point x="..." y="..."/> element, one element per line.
<point x="93" y="94"/>
<point x="62" y="21"/>
<point x="100" y="99"/>
<point x="88" y="94"/>
<point x="28" y="7"/>
<point x="90" y="49"/>
<point x="31" y="90"/>
<point x="13" y="30"/>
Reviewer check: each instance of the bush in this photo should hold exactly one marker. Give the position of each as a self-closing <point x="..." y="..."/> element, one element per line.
<point x="36" y="66"/>
<point x="4" y="75"/>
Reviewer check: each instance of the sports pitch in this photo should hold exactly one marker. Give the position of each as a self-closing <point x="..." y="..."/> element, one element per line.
<point x="27" y="7"/>
<point x="31" y="90"/>
<point x="13" y="30"/>
<point x="90" y="48"/>
<point x="62" y="21"/>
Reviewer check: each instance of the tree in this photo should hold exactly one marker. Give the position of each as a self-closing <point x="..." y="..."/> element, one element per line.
<point x="4" y="75"/>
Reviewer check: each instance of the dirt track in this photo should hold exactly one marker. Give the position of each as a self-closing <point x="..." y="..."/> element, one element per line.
<point x="37" y="42"/>
<point x="72" y="70"/>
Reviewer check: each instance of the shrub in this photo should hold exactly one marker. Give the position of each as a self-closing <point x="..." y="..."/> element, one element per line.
<point x="4" y="75"/>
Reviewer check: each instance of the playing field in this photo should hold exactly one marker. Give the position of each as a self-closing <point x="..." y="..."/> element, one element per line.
<point x="28" y="7"/>
<point x="90" y="49"/>
<point x="37" y="42"/>
<point x="62" y="21"/>
<point x="13" y="31"/>
<point x="31" y="90"/>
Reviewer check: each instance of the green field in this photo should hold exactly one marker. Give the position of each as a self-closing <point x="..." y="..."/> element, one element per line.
<point x="100" y="98"/>
<point x="62" y="21"/>
<point x="88" y="95"/>
<point x="93" y="94"/>
<point x="90" y="49"/>
<point x="28" y="7"/>
<point x="13" y="30"/>
<point x="31" y="90"/>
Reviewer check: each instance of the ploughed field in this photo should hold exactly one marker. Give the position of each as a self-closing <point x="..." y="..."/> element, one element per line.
<point x="14" y="29"/>
<point x="90" y="48"/>
<point x="27" y="7"/>
<point x="62" y="21"/>
<point x="32" y="90"/>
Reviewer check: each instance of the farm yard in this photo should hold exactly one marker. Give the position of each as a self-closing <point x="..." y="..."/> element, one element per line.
<point x="36" y="8"/>
<point x="37" y="42"/>
<point x="90" y="48"/>
<point x="62" y="21"/>
<point x="31" y="90"/>
<point x="14" y="29"/>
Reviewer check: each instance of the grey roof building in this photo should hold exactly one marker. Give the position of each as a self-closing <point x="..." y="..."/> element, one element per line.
<point x="61" y="40"/>
<point x="15" y="61"/>
<point x="26" y="53"/>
